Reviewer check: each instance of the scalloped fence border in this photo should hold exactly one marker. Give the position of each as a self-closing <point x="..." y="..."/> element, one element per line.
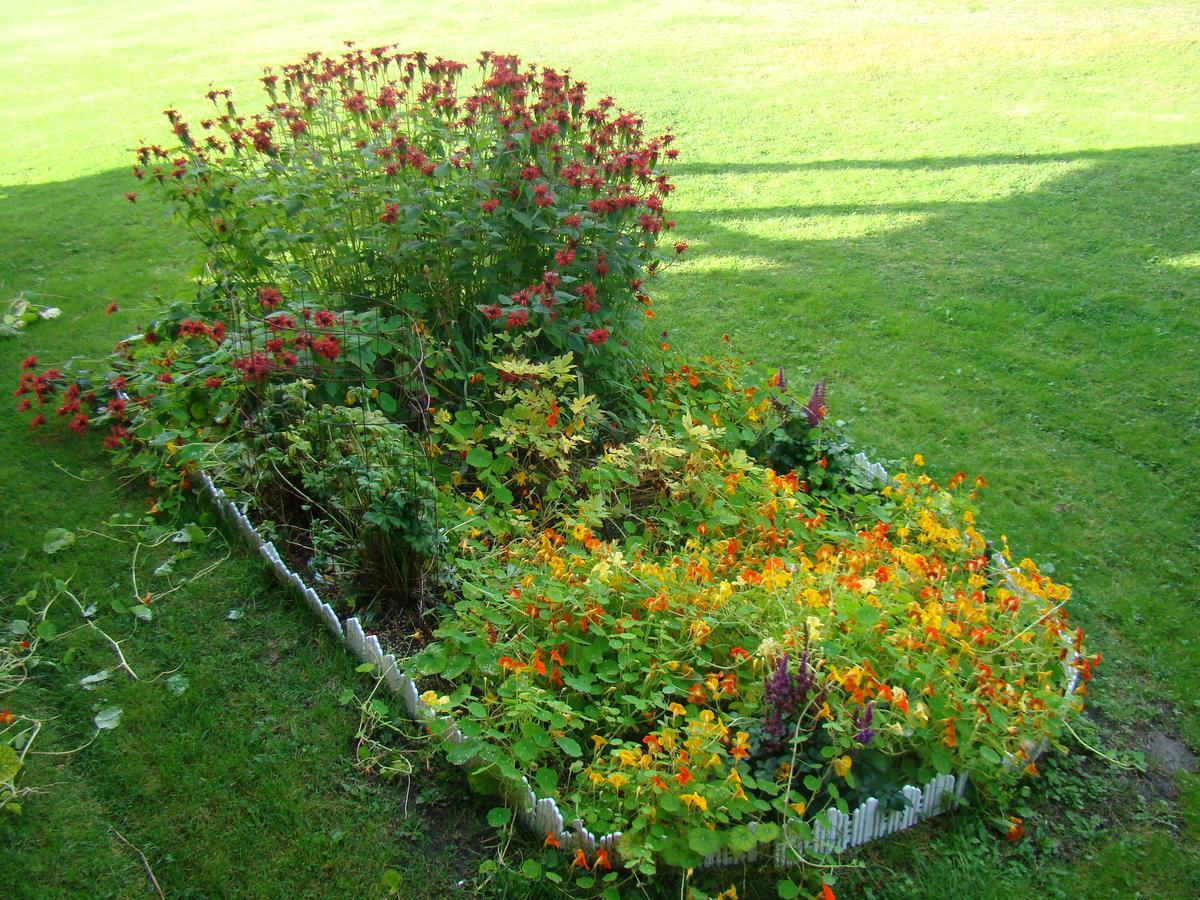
<point x="541" y="816"/>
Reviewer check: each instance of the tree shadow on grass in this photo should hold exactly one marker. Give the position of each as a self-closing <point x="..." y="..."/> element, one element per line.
<point x="1087" y="283"/>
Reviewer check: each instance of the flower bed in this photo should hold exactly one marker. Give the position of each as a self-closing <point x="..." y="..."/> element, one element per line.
<point x="665" y="593"/>
<point x="542" y="816"/>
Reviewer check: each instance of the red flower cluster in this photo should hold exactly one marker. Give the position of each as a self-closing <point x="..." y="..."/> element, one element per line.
<point x="196" y="328"/>
<point x="328" y="347"/>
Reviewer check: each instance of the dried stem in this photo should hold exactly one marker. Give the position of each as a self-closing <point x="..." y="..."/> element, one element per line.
<point x="145" y="862"/>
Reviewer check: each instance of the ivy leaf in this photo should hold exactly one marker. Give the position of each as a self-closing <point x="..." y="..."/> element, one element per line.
<point x="57" y="539"/>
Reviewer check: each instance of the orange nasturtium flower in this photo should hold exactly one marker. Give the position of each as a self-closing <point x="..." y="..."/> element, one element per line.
<point x="1016" y="830"/>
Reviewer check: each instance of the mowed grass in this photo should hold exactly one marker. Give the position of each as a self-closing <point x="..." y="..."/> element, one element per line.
<point x="979" y="220"/>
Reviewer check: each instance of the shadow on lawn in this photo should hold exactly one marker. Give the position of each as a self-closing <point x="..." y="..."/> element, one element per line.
<point x="1081" y="283"/>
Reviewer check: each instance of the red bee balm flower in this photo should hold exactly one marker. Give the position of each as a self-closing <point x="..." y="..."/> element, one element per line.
<point x="598" y="336"/>
<point x="328" y="347"/>
<point x="269" y="297"/>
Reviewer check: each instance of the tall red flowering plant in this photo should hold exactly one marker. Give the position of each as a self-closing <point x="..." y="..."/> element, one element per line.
<point x="511" y="204"/>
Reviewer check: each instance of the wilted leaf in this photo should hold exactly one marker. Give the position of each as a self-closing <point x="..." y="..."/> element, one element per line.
<point x="191" y="533"/>
<point x="89" y="682"/>
<point x="57" y="539"/>
<point x="108" y="718"/>
<point x="234" y="614"/>
<point x="10" y="764"/>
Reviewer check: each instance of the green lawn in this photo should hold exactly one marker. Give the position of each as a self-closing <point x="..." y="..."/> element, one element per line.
<point x="979" y="220"/>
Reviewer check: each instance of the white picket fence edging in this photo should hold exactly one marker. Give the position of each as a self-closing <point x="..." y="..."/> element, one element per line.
<point x="833" y="831"/>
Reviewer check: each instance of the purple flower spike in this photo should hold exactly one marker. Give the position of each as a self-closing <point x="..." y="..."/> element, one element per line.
<point x="814" y="410"/>
<point x="862" y="721"/>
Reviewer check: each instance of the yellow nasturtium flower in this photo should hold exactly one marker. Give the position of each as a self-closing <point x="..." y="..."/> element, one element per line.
<point x="694" y="801"/>
<point x="842" y="765"/>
